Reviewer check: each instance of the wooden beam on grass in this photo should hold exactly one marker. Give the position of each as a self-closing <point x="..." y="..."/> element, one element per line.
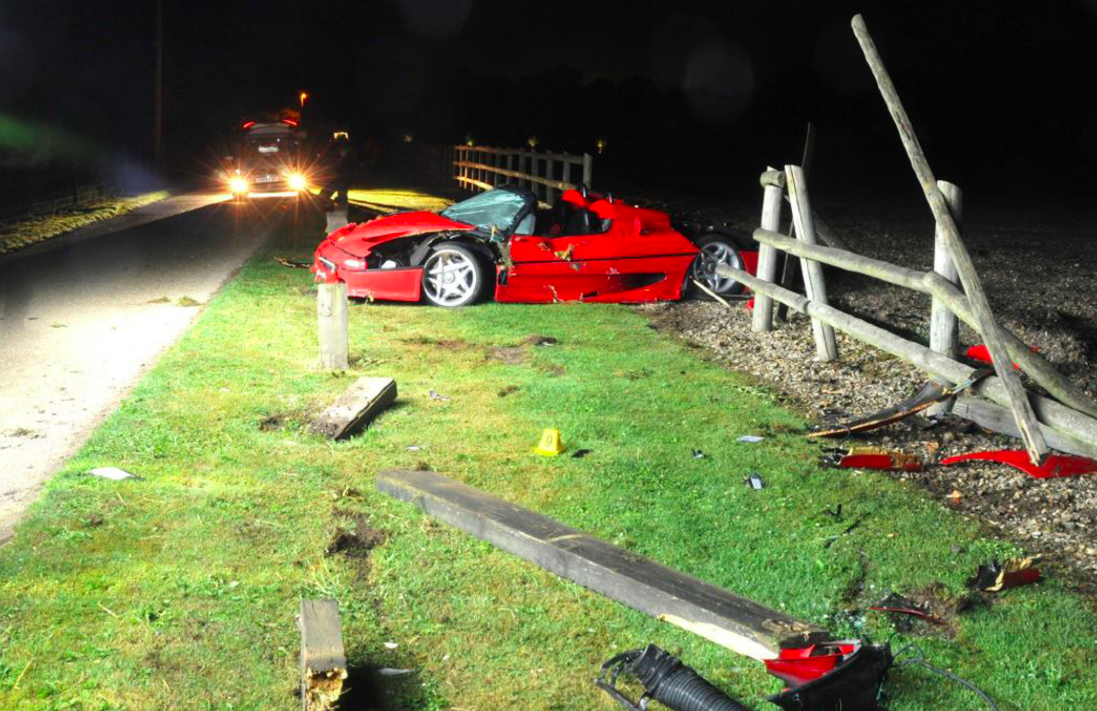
<point x="1035" y="365"/>
<point x="360" y="403"/>
<point x="323" y="660"/>
<point x="734" y="622"/>
<point x="988" y="327"/>
<point x="1068" y="422"/>
<point x="826" y="347"/>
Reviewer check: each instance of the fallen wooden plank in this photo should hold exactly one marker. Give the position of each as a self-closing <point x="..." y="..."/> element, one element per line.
<point x="359" y="404"/>
<point x="323" y="661"/>
<point x="1023" y="413"/>
<point x="731" y="621"/>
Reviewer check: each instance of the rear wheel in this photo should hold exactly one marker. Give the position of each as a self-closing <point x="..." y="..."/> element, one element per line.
<point x="452" y="276"/>
<point x="716" y="249"/>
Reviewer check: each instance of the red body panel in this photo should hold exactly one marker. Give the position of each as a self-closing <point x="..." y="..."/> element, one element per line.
<point x="639" y="258"/>
<point x="1055" y="465"/>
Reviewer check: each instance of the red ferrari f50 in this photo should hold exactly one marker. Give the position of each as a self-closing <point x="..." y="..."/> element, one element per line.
<point x="584" y="248"/>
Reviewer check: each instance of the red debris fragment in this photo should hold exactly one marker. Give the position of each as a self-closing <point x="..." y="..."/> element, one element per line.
<point x="1055" y="465"/>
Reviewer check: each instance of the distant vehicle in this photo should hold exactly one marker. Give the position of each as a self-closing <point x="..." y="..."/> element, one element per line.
<point x="585" y="248"/>
<point x="268" y="162"/>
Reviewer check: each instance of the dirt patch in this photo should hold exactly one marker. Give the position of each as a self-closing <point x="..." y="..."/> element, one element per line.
<point x="509" y="390"/>
<point x="1043" y="296"/>
<point x="355" y="538"/>
<point x="552" y="369"/>
<point x="282" y="421"/>
<point x="509" y="355"/>
<point x="186" y="302"/>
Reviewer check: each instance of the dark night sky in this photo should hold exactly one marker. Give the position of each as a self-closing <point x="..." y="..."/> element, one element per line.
<point x="1000" y="92"/>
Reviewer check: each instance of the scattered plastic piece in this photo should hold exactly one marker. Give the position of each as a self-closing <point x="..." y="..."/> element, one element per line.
<point x="982" y="354"/>
<point x="749" y="305"/>
<point x="873" y="458"/>
<point x="955" y="497"/>
<point x="550" y="445"/>
<point x="113" y="473"/>
<point x="755" y="482"/>
<point x="580" y="453"/>
<point x="847" y="675"/>
<point x="391" y="645"/>
<point x="414" y="447"/>
<point x="995" y="576"/>
<point x="751" y="439"/>
<point x="389" y="671"/>
<point x="1055" y="465"/>
<point x="698" y="454"/>
<point x="435" y="396"/>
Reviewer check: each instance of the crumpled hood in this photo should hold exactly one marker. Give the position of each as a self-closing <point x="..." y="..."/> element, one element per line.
<point x="360" y="238"/>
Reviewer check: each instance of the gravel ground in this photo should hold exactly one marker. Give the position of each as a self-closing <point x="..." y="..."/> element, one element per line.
<point x="1040" y="270"/>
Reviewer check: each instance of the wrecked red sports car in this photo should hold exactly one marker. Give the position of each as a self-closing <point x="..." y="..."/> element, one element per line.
<point x="583" y="248"/>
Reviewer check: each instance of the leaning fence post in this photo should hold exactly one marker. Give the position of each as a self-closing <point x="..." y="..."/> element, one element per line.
<point x="944" y="326"/>
<point x="533" y="183"/>
<point x="333" y="326"/>
<point x="826" y="347"/>
<point x="774" y="183"/>
<point x="588" y="169"/>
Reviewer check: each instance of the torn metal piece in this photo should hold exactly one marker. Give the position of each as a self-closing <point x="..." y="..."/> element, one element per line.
<point x="755" y="481"/>
<point x="698" y="454"/>
<point x="1014" y="572"/>
<point x="930" y="394"/>
<point x="750" y="439"/>
<point x="1055" y="465"/>
<point x="872" y="458"/>
<point x="435" y="396"/>
<point x="580" y="453"/>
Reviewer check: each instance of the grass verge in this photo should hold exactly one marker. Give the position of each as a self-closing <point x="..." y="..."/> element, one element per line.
<point x="23" y="233"/>
<point x="179" y="591"/>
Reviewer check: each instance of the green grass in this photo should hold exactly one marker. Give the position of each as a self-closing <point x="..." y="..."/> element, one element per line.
<point x="23" y="233"/>
<point x="180" y="591"/>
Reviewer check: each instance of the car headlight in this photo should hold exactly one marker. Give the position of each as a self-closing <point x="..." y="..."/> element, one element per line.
<point x="297" y="181"/>
<point x="238" y="184"/>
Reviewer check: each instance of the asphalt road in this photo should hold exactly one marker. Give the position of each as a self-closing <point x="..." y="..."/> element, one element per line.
<point x="83" y="317"/>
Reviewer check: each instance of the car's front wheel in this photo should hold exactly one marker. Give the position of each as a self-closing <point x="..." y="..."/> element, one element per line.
<point x="452" y="276"/>
<point x="716" y="249"/>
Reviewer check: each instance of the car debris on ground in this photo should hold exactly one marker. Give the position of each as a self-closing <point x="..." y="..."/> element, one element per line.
<point x="114" y="474"/>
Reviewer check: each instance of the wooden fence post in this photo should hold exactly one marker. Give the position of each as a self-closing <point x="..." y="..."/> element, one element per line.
<point x="826" y="347"/>
<point x="944" y="326"/>
<point x="773" y="182"/>
<point x="566" y="177"/>
<point x="333" y="325"/>
<point x="533" y="173"/>
<point x="588" y="169"/>
<point x="510" y="165"/>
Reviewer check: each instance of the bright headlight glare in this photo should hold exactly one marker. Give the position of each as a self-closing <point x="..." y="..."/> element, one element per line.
<point x="297" y="181"/>
<point x="238" y="185"/>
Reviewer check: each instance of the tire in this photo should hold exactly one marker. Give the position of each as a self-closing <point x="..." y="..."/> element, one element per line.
<point x="453" y="276"/>
<point x="715" y="249"/>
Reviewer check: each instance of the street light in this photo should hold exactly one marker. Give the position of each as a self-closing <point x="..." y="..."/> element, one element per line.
<point x="304" y="95"/>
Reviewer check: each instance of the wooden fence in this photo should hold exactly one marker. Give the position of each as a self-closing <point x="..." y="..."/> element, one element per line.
<point x="546" y="174"/>
<point x="1065" y="420"/>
